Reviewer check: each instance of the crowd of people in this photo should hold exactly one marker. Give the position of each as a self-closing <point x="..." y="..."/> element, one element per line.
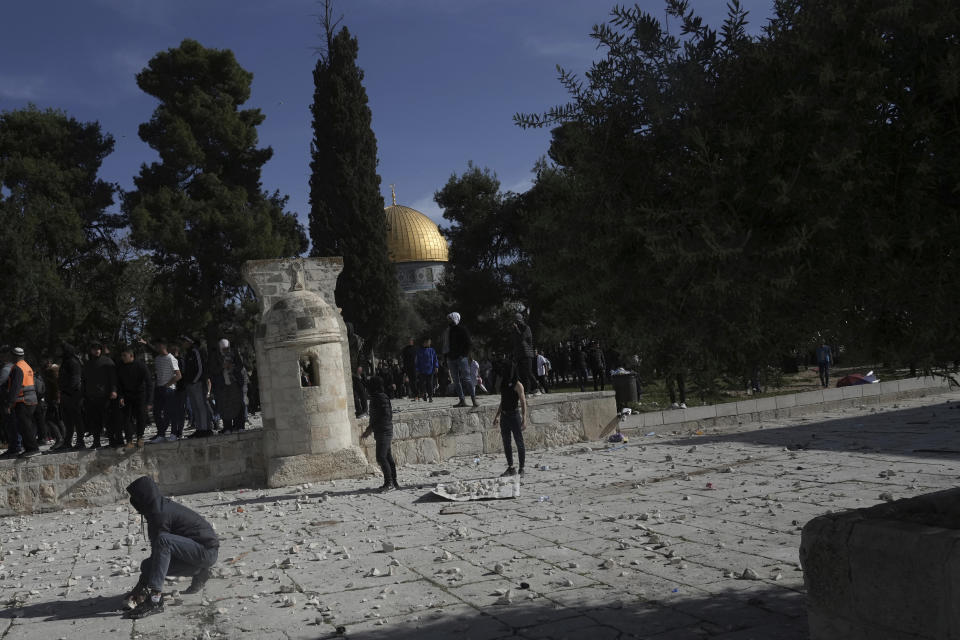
<point x="421" y="372"/>
<point x="98" y="399"/>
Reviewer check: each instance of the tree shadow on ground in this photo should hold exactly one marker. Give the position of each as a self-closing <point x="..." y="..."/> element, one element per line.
<point x="93" y="607"/>
<point x="928" y="432"/>
<point x="763" y="612"/>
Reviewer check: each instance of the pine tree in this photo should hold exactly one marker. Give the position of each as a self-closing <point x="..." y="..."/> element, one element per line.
<point x="346" y="208"/>
<point x="201" y="210"/>
<point x="54" y="228"/>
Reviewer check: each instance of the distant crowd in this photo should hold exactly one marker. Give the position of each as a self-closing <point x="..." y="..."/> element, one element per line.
<point x="99" y="399"/>
<point x="422" y="372"/>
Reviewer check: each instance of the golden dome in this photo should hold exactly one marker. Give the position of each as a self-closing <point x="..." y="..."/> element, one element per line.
<point x="413" y="237"/>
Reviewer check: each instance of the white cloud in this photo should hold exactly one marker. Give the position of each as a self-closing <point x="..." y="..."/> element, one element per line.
<point x="429" y="208"/>
<point x="581" y="50"/>
<point x="21" y="87"/>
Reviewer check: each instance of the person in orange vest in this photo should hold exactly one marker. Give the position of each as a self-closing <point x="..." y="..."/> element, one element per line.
<point x="21" y="403"/>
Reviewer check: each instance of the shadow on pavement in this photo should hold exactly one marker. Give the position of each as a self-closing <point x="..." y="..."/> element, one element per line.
<point x="931" y="431"/>
<point x="95" y="607"/>
<point x="761" y="613"/>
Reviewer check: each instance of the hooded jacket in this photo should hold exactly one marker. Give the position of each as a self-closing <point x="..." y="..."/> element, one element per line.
<point x="166" y="516"/>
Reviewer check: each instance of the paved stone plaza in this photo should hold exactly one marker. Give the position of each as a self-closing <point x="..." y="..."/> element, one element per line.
<point x="648" y="540"/>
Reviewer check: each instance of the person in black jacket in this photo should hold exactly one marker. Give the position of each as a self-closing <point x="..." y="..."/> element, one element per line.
<point x="99" y="388"/>
<point x="458" y="361"/>
<point x="135" y="387"/>
<point x="381" y="426"/>
<point x="182" y="543"/>
<point x="71" y="395"/>
<point x="523" y="355"/>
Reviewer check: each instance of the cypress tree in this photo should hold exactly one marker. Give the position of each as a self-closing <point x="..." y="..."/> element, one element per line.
<point x="346" y="208"/>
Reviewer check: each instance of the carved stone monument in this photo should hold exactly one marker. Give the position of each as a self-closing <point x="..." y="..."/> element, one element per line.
<point x="303" y="366"/>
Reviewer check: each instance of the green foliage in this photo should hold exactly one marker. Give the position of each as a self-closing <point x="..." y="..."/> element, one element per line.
<point x="201" y="210"/>
<point x="485" y="249"/>
<point x="56" y="234"/>
<point x="715" y="200"/>
<point x="346" y="209"/>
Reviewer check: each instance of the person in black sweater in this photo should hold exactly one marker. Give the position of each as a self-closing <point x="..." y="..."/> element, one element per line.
<point x="71" y="395"/>
<point x="135" y="386"/>
<point x="182" y="543"/>
<point x="99" y="388"/>
<point x="381" y="426"/>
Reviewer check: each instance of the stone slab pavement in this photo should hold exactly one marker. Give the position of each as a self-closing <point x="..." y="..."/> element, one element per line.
<point x="647" y="540"/>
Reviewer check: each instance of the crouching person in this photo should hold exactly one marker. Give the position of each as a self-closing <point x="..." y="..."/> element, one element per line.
<point x="182" y="543"/>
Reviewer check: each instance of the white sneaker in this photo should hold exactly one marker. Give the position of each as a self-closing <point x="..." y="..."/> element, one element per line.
<point x="674" y="406"/>
<point x="683" y="405"/>
<point x="171" y="438"/>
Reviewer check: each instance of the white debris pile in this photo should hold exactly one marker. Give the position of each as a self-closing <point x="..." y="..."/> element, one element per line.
<point x="484" y="489"/>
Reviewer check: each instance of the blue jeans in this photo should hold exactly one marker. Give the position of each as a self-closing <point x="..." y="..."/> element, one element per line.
<point x="510" y="426"/>
<point x="460" y="372"/>
<point x="172" y="555"/>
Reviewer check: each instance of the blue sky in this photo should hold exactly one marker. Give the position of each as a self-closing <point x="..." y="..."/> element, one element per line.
<point x="444" y="77"/>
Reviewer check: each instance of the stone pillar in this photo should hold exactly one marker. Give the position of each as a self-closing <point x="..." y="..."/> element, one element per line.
<point x="307" y="431"/>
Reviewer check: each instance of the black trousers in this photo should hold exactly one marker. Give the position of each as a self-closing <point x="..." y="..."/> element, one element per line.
<point x="135" y="417"/>
<point x="72" y="418"/>
<point x="598" y="378"/>
<point x="23" y="419"/>
<point x="95" y="410"/>
<point x="510" y="426"/>
<point x="385" y="458"/>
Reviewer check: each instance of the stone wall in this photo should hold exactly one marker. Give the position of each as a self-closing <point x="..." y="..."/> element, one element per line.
<point x="81" y="478"/>
<point x="790" y="404"/>
<point x="890" y="571"/>
<point x="436" y="433"/>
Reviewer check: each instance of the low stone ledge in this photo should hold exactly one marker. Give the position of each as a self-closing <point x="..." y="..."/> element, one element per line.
<point x="87" y="477"/>
<point x="891" y="571"/>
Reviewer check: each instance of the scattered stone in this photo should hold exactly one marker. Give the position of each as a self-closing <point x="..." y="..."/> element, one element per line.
<point x="886" y="496"/>
<point x="749" y="574"/>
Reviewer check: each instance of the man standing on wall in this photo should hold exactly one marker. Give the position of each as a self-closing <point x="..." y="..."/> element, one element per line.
<point x="99" y="388"/>
<point x="20" y="405"/>
<point x="458" y="361"/>
<point x="196" y="386"/>
<point x="167" y="374"/>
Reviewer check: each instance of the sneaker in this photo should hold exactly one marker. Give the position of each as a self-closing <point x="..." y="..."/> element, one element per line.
<point x="385" y="488"/>
<point x="396" y="486"/>
<point x="520" y="471"/>
<point x="460" y="404"/>
<point x="674" y="406"/>
<point x="196" y="584"/>
<point x="146" y="608"/>
<point x="509" y="472"/>
<point x="139" y="593"/>
<point x="9" y="453"/>
<point x="171" y="438"/>
<point x="683" y="405"/>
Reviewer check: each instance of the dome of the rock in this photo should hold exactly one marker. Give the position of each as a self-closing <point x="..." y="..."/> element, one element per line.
<point x="416" y="248"/>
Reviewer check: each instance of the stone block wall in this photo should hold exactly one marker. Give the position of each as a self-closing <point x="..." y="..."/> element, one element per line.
<point x="890" y="571"/>
<point x="88" y="477"/>
<point x="437" y="433"/>
<point x="791" y="405"/>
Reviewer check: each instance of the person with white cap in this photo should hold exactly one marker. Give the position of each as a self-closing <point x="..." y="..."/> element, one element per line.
<point x="21" y="403"/>
<point x="227" y="377"/>
<point x="458" y="359"/>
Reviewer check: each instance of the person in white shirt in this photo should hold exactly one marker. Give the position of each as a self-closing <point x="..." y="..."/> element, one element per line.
<point x="543" y="368"/>
<point x="167" y="374"/>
